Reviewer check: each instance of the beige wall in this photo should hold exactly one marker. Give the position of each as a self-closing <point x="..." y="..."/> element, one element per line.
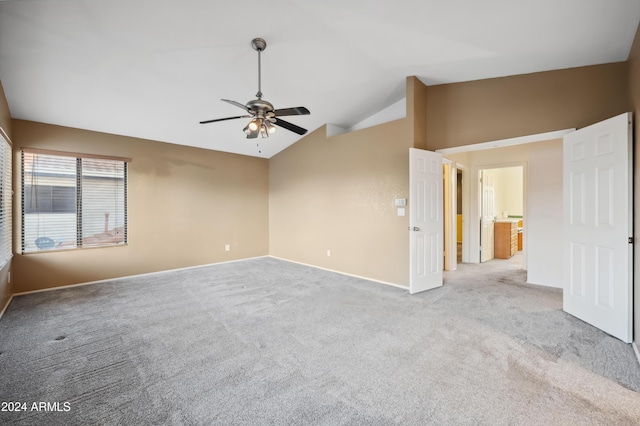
<point x="337" y="194"/>
<point x="184" y="205"/>
<point x="500" y="108"/>
<point x="417" y="112"/>
<point x="6" y="288"/>
<point x="5" y="113"/>
<point x="315" y="206"/>
<point x="634" y="90"/>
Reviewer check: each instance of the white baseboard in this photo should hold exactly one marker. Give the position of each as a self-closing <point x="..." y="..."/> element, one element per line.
<point x="130" y="276"/>
<point x="635" y="349"/>
<point x="342" y="273"/>
<point x="4" y="309"/>
<point x="192" y="267"/>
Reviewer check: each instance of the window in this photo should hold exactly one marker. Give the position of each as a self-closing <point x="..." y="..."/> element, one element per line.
<point x="49" y="199"/>
<point x="72" y="201"/>
<point x="6" y="196"/>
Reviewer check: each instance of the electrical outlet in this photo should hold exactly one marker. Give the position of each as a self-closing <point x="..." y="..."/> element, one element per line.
<point x="227" y="247"/>
<point x="329" y="253"/>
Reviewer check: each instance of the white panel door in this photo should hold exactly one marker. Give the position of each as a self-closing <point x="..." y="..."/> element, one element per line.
<point x="597" y="196"/>
<point x="488" y="218"/>
<point x="426" y="219"/>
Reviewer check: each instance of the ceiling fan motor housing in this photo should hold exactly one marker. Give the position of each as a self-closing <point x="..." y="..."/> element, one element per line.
<point x="260" y="107"/>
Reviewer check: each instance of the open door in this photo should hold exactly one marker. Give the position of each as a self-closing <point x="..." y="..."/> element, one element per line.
<point x="488" y="218"/>
<point x="449" y="199"/>
<point x="598" y="225"/>
<point x="425" y="219"/>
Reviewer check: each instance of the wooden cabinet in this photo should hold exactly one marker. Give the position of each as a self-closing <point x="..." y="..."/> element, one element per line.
<point x="505" y="242"/>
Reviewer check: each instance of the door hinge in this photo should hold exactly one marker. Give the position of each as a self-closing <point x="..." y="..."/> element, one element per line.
<point x="630" y="240"/>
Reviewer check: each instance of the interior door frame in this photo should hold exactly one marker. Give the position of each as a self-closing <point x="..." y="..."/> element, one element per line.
<point x="449" y="203"/>
<point x="465" y="211"/>
<point x="475" y="210"/>
<point x="469" y="255"/>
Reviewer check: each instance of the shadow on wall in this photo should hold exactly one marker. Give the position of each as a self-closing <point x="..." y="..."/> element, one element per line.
<point x="51" y="269"/>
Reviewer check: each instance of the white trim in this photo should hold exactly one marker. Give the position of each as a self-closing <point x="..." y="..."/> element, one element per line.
<point x="635" y="349"/>
<point x="342" y="273"/>
<point x="4" y="135"/>
<point x="558" y="134"/>
<point x="184" y="269"/>
<point x="4" y="309"/>
<point x="466" y="211"/>
<point x="132" y="276"/>
<point x="449" y="237"/>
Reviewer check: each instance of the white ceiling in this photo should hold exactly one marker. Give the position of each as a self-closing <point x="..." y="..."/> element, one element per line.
<point x="155" y="68"/>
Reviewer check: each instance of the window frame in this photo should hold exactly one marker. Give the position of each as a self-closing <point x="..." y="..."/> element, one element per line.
<point x="6" y="202"/>
<point x="78" y="157"/>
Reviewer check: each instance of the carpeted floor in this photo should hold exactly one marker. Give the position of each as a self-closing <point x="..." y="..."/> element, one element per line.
<point x="265" y="341"/>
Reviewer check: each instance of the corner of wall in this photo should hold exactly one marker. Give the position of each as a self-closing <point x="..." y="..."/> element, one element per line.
<point x="6" y="287"/>
<point x="5" y="112"/>
<point x="331" y="202"/>
<point x="634" y="100"/>
<point x="417" y="112"/>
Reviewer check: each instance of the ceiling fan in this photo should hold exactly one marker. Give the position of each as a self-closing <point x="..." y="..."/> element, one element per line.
<point x="263" y="116"/>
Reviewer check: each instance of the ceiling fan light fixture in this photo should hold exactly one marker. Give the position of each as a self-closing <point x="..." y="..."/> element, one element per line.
<point x="253" y="125"/>
<point x="271" y="129"/>
<point x="264" y="132"/>
<point x="251" y="133"/>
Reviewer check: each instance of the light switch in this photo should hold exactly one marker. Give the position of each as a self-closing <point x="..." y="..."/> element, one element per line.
<point x="400" y="211"/>
<point x="400" y="202"/>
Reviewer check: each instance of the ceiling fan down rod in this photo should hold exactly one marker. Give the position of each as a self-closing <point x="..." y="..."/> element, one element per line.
<point x="259" y="45"/>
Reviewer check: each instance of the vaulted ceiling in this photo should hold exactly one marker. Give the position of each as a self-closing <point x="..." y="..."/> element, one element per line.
<point x="154" y="69"/>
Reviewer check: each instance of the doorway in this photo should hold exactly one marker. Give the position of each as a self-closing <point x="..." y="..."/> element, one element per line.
<point x="473" y="211"/>
<point x="557" y="260"/>
<point x="501" y="216"/>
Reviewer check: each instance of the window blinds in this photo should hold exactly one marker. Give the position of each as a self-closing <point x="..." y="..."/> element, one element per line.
<point x="6" y="196"/>
<point x="72" y="201"/>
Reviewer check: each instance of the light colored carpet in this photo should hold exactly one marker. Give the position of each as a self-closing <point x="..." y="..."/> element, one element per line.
<point x="265" y="341"/>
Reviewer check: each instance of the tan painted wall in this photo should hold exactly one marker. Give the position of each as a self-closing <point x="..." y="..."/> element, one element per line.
<point x="6" y="288"/>
<point x="311" y="211"/>
<point x="184" y="204"/>
<point x="500" y="108"/>
<point x="417" y="112"/>
<point x="634" y="90"/>
<point x="5" y="113"/>
<point x="337" y="194"/>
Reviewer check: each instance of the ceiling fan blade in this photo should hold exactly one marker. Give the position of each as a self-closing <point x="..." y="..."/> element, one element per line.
<point x="290" y="126"/>
<point x="291" y="111"/>
<point x="224" y="119"/>
<point x="238" y="104"/>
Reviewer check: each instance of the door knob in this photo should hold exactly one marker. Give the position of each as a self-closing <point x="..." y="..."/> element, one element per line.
<point x="415" y="228"/>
